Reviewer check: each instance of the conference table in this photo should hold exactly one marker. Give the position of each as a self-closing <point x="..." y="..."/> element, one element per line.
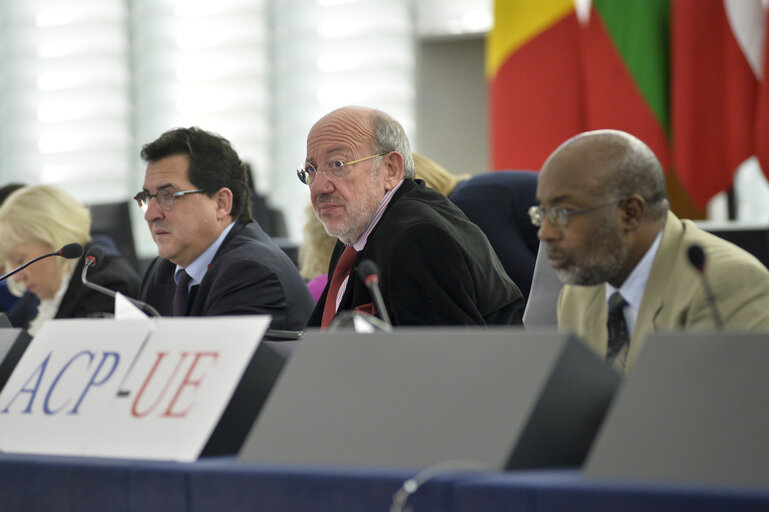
<point x="36" y="482"/>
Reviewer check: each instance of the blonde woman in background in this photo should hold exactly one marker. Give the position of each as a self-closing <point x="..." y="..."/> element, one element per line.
<point x="41" y="219"/>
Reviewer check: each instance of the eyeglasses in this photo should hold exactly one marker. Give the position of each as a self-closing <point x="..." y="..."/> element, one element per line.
<point x="559" y="217"/>
<point x="335" y="170"/>
<point x="164" y="197"/>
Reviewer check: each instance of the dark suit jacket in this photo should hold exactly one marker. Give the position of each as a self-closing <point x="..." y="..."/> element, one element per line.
<point x="249" y="275"/>
<point x="498" y="202"/>
<point x="436" y="267"/>
<point x="113" y="272"/>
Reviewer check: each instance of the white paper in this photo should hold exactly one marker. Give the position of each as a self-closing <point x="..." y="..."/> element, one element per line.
<point x="150" y="389"/>
<point x="126" y="310"/>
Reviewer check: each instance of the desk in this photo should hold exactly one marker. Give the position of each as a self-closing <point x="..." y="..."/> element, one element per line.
<point x="38" y="483"/>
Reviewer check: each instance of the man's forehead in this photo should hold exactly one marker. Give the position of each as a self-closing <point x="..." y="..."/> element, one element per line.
<point x="168" y="172"/>
<point x="563" y="181"/>
<point x="339" y="130"/>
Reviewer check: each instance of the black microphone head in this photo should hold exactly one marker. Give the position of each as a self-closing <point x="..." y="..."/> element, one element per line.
<point x="368" y="269"/>
<point x="696" y="256"/>
<point x="71" y="251"/>
<point x="94" y="255"/>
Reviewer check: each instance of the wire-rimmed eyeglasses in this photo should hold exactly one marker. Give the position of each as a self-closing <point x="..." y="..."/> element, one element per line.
<point x="559" y="217"/>
<point x="164" y="197"/>
<point x="334" y="170"/>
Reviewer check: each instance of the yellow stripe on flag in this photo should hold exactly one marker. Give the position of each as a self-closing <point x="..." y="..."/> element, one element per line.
<point x="518" y="21"/>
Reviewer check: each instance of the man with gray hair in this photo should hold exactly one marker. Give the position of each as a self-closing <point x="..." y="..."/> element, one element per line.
<point x="436" y="267"/>
<point x="629" y="265"/>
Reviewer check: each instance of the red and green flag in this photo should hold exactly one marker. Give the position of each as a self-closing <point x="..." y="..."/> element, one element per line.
<point x="625" y="68"/>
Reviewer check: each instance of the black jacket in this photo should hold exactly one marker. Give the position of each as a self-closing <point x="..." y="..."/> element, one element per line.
<point x="436" y="267"/>
<point x="249" y="275"/>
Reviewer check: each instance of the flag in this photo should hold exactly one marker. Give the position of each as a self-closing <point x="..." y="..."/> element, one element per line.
<point x="713" y="98"/>
<point x="532" y="66"/>
<point x="625" y="59"/>
<point x="761" y="138"/>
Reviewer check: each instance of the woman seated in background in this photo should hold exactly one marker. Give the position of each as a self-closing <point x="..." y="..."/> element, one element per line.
<point x="41" y="219"/>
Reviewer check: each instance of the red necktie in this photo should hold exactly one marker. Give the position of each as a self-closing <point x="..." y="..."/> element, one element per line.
<point x="341" y="271"/>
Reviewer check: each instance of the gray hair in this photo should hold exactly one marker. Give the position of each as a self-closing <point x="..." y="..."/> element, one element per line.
<point x="390" y="136"/>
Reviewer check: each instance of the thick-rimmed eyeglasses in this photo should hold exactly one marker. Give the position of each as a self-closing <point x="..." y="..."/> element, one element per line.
<point x="335" y="170"/>
<point x="164" y="197"/>
<point x="559" y="217"/>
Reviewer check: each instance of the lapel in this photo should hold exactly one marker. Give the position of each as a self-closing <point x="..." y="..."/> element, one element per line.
<point x="195" y="306"/>
<point x="596" y="313"/>
<point x="653" y="301"/>
<point x="236" y="229"/>
<point x="356" y="293"/>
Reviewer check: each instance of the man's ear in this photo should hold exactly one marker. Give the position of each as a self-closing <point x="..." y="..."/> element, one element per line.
<point x="223" y="198"/>
<point x="633" y="210"/>
<point x="392" y="166"/>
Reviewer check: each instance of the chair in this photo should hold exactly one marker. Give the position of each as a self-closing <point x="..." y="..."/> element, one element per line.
<point x="112" y="221"/>
<point x="498" y="202"/>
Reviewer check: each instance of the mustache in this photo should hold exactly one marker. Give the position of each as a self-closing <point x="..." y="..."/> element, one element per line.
<point x="157" y="225"/>
<point x="326" y="198"/>
<point x="551" y="251"/>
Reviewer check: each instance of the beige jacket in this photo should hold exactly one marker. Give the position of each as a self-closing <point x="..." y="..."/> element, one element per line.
<point x="674" y="298"/>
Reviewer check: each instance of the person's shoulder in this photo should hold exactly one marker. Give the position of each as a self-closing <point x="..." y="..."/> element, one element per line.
<point x="246" y="237"/>
<point x="419" y="203"/>
<point x="250" y="246"/>
<point x="720" y="254"/>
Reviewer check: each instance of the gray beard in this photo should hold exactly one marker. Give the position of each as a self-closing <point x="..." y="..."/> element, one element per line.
<point x="600" y="267"/>
<point x="594" y="270"/>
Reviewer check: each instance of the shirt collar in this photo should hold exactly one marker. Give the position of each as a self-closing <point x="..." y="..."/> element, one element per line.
<point x="632" y="289"/>
<point x="360" y="243"/>
<point x="199" y="266"/>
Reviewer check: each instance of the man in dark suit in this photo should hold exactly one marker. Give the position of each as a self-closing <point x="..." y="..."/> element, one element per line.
<point x="213" y="258"/>
<point x="436" y="267"/>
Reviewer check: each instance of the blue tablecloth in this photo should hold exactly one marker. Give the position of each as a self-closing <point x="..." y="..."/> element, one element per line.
<point x="222" y="484"/>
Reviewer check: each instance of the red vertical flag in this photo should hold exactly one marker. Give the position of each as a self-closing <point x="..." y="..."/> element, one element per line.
<point x="532" y="65"/>
<point x="761" y="141"/>
<point x="625" y="55"/>
<point x="713" y="98"/>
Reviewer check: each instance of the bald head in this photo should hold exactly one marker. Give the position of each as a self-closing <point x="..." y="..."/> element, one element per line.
<point x="613" y="164"/>
<point x="364" y="125"/>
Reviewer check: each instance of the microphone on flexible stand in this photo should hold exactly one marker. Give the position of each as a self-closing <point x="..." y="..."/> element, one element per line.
<point x="92" y="258"/>
<point x="364" y="322"/>
<point x="69" y="251"/>
<point x="697" y="258"/>
<point x="369" y="272"/>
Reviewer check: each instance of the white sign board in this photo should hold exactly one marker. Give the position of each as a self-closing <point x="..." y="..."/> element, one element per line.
<point x="148" y="389"/>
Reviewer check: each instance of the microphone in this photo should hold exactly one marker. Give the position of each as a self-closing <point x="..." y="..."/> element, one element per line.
<point x="92" y="258"/>
<point x="364" y="322"/>
<point x="70" y="251"/>
<point x="697" y="258"/>
<point x="369" y="272"/>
